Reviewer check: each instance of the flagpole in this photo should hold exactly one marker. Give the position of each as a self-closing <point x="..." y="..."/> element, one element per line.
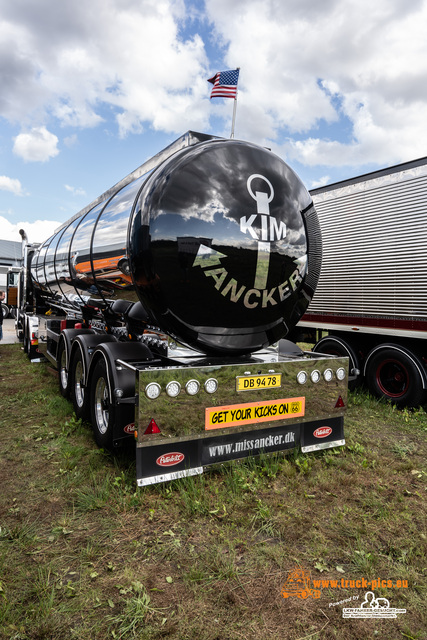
<point x="234" y="117"/>
<point x="234" y="113"/>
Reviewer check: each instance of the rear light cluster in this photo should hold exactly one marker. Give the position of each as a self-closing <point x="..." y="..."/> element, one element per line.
<point x="173" y="388"/>
<point x="192" y="387"/>
<point x="316" y="376"/>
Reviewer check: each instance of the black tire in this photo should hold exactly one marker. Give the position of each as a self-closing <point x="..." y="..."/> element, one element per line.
<point x="101" y="406"/>
<point x="394" y="374"/>
<point x="78" y="392"/>
<point x="5" y="311"/>
<point x="62" y="364"/>
<point x="335" y="346"/>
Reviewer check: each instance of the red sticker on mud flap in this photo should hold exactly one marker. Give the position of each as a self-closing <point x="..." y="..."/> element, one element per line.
<point x="322" y="432"/>
<point x="170" y="459"/>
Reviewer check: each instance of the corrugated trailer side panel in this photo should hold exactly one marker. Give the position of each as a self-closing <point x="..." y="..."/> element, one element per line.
<point x="374" y="267"/>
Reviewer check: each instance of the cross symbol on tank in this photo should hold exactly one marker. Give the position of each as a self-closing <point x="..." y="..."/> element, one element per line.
<point x="270" y="230"/>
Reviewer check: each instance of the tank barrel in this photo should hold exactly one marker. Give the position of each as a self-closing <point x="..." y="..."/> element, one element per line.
<point x="218" y="240"/>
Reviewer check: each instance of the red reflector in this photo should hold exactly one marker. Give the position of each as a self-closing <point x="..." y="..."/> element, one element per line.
<point x="152" y="428"/>
<point x="340" y="403"/>
<point x="63" y="325"/>
<point x="78" y="325"/>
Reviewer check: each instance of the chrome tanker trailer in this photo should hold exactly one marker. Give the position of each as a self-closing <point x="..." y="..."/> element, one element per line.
<point x="165" y="305"/>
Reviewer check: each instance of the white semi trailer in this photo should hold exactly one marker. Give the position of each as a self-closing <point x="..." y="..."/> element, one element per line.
<point x="371" y="299"/>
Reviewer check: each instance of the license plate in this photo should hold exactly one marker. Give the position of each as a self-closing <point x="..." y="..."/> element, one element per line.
<point x="249" y="383"/>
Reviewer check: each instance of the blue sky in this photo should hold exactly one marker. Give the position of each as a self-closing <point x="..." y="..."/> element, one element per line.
<point x="90" y="90"/>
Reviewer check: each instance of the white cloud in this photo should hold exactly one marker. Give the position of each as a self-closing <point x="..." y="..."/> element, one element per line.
<point x="76" y="191"/>
<point x="37" y="145"/>
<point x="70" y="141"/>
<point x="320" y="182"/>
<point x="310" y="70"/>
<point x="75" y="58"/>
<point x="37" y="231"/>
<point x="11" y="184"/>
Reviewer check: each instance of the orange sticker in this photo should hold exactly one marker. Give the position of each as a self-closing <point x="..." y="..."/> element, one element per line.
<point x="253" y="412"/>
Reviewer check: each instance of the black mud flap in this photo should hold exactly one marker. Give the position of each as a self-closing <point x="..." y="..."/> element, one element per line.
<point x="177" y="459"/>
<point x="34" y="354"/>
<point x="322" y="434"/>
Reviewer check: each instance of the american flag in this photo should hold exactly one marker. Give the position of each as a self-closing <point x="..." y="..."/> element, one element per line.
<point x="225" y="84"/>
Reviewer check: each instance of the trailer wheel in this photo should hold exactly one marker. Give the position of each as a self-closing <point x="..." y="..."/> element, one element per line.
<point x="335" y="346"/>
<point x="79" y="394"/>
<point x="64" y="382"/>
<point x="394" y="374"/>
<point x="101" y="406"/>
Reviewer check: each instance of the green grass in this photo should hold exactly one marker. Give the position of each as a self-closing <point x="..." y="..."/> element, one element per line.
<point x="85" y="554"/>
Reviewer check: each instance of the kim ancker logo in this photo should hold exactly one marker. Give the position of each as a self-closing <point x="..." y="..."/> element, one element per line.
<point x="265" y="229"/>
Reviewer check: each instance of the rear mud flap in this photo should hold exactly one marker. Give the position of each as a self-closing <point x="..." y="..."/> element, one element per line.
<point x="179" y="458"/>
<point x="34" y="354"/>
<point x="322" y="434"/>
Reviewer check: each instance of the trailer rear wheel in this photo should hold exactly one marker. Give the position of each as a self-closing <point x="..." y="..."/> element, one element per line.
<point x="101" y="406"/>
<point x="79" y="395"/>
<point x="394" y="374"/>
<point x="335" y="346"/>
